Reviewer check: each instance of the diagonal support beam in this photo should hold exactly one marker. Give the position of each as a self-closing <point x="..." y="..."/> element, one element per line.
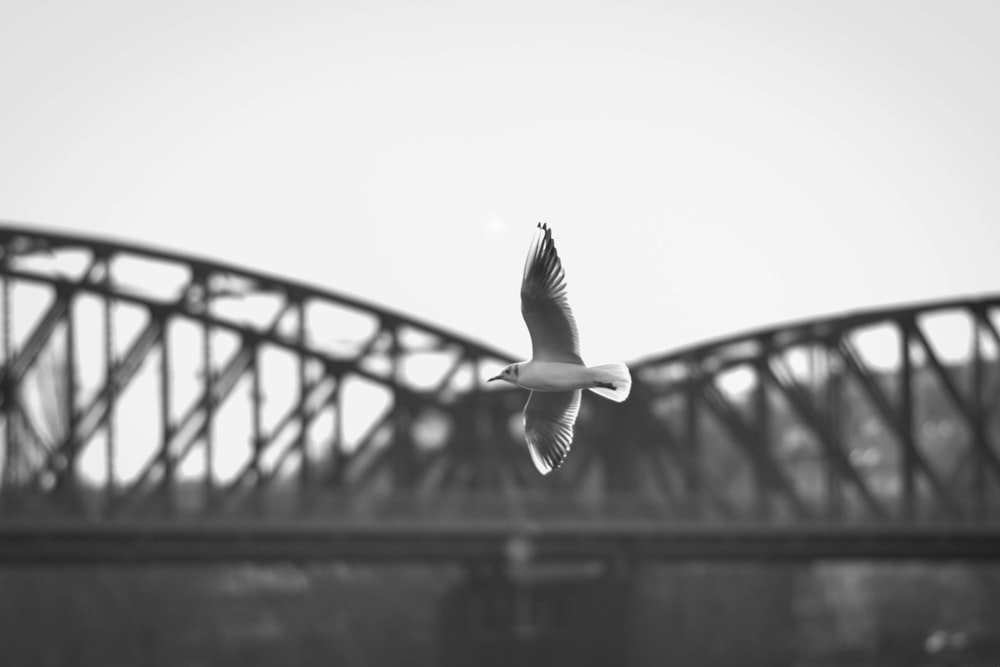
<point x="889" y="416"/>
<point x="982" y="315"/>
<point x="31" y="435"/>
<point x="124" y="371"/>
<point x="376" y="461"/>
<point x="34" y="344"/>
<point x="299" y="411"/>
<point x="193" y="424"/>
<point x="733" y="422"/>
<point x="95" y="414"/>
<point x="361" y="468"/>
<point x="982" y="442"/>
<point x="798" y="397"/>
<point x="685" y="460"/>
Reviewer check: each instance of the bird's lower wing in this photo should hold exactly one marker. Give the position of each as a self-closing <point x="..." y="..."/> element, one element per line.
<point x="548" y="426"/>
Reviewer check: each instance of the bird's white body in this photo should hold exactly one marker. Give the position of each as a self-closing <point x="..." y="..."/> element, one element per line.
<point x="612" y="381"/>
<point x="554" y="376"/>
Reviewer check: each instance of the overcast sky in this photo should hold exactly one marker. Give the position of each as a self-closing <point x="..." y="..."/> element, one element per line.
<point x="707" y="167"/>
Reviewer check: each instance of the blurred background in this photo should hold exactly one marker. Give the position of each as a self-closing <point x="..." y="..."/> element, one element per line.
<point x="259" y="259"/>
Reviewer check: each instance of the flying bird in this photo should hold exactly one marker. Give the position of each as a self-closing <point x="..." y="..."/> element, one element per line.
<point x="556" y="374"/>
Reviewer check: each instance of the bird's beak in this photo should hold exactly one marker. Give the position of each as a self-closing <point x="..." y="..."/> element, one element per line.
<point x="495" y="377"/>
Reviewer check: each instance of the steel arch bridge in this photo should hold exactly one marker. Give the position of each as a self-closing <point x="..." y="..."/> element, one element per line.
<point x="158" y="406"/>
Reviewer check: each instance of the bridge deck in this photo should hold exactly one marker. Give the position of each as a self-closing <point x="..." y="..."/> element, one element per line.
<point x="163" y="542"/>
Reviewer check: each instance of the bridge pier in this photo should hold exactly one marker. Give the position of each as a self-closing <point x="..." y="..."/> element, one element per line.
<point x="560" y="616"/>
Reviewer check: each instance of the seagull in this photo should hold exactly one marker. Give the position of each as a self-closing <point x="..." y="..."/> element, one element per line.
<point x="556" y="374"/>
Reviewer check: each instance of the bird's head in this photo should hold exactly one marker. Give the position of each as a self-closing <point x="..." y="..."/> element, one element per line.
<point x="509" y="374"/>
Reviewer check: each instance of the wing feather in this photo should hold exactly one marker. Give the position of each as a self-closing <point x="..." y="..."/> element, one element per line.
<point x="544" y="304"/>
<point x="548" y="427"/>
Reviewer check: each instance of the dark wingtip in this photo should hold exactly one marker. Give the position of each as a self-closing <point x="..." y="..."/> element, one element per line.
<point x="546" y="231"/>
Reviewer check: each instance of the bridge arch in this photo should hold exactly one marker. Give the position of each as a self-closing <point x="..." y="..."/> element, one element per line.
<point x="110" y="313"/>
<point x="886" y="413"/>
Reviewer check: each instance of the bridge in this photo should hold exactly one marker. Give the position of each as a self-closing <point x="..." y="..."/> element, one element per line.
<point x="160" y="407"/>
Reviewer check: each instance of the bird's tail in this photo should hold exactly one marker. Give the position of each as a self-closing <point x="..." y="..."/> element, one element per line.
<point x="612" y="381"/>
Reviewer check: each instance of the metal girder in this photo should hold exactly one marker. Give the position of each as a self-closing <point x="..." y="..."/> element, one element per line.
<point x="767" y="468"/>
<point x="386" y="541"/>
<point x="95" y="413"/>
<point x="360" y="467"/>
<point x="892" y="419"/>
<point x="271" y="337"/>
<point x="251" y="470"/>
<point x="28" y="429"/>
<point x="799" y="399"/>
<point x="694" y="489"/>
<point x="193" y="423"/>
<point x="201" y="267"/>
<point x="15" y="368"/>
<point x="982" y="443"/>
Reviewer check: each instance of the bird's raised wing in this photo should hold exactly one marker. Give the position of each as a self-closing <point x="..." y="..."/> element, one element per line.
<point x="548" y="426"/>
<point x="544" y="305"/>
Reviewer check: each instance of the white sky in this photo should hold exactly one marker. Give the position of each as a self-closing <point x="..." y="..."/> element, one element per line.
<point x="706" y="167"/>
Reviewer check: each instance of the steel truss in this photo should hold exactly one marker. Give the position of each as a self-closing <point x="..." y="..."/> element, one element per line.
<point x="861" y="417"/>
<point x="199" y="337"/>
<point x="261" y="397"/>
